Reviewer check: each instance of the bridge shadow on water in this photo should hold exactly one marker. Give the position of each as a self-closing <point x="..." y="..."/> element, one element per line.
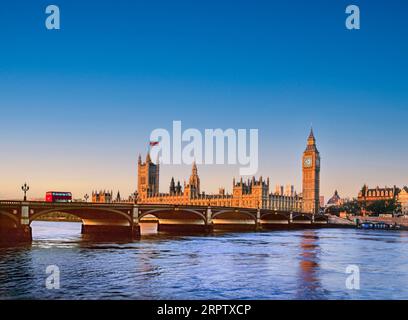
<point x="48" y="233"/>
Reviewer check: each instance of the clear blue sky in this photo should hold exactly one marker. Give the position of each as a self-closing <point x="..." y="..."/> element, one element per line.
<point x="78" y="105"/>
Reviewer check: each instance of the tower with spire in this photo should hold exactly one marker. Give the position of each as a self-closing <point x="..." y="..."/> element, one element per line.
<point x="172" y="188"/>
<point x="194" y="181"/>
<point x="311" y="176"/>
<point x="192" y="188"/>
<point x="148" y="178"/>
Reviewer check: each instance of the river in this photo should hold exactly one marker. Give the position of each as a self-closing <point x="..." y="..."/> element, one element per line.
<point x="301" y="264"/>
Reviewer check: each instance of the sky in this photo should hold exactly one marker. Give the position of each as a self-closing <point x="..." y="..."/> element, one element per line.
<point x="77" y="105"/>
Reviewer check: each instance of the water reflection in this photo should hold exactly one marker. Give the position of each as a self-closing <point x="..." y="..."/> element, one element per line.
<point x="308" y="281"/>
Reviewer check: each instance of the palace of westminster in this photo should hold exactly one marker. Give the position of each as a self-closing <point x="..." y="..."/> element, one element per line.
<point x="252" y="193"/>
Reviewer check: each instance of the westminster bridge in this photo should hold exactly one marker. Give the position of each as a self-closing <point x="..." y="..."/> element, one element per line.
<point x="124" y="218"/>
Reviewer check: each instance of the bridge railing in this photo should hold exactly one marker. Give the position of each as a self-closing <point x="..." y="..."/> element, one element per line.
<point x="12" y="202"/>
<point x="142" y="205"/>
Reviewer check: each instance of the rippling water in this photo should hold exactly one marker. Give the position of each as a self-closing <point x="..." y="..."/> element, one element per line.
<point x="305" y="264"/>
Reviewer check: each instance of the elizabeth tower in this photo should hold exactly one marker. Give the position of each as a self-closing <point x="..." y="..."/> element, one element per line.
<point x="311" y="176"/>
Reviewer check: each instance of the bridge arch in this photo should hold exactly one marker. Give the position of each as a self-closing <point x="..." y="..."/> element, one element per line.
<point x="275" y="216"/>
<point x="235" y="212"/>
<point x="301" y="217"/>
<point x="171" y="213"/>
<point x="83" y="213"/>
<point x="9" y="218"/>
<point x="321" y="218"/>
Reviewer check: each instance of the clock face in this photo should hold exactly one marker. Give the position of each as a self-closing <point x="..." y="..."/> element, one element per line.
<point x="307" y="162"/>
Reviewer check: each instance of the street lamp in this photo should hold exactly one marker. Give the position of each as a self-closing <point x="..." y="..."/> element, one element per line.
<point x="86" y="196"/>
<point x="25" y="188"/>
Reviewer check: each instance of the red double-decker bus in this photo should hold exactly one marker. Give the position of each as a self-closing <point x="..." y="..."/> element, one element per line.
<point x="56" y="196"/>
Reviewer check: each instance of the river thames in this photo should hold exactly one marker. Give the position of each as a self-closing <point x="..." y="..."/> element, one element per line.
<point x="301" y="264"/>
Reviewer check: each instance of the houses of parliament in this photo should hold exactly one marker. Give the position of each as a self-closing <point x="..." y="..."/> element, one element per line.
<point x="252" y="193"/>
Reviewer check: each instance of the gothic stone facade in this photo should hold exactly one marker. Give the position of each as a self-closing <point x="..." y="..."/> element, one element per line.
<point x="311" y="176"/>
<point x="105" y="197"/>
<point x="102" y="196"/>
<point x="252" y="193"/>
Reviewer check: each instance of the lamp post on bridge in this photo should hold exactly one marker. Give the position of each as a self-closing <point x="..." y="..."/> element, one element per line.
<point x="25" y="187"/>
<point x="86" y="196"/>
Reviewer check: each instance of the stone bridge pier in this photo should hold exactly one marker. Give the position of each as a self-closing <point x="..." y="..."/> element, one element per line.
<point x="15" y="224"/>
<point x="24" y="231"/>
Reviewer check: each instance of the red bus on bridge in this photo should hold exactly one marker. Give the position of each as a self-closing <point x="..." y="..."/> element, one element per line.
<point x="55" y="196"/>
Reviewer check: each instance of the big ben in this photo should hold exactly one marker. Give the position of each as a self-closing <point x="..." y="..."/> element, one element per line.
<point x="311" y="176"/>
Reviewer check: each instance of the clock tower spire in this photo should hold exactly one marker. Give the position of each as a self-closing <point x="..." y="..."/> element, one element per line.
<point x="311" y="176"/>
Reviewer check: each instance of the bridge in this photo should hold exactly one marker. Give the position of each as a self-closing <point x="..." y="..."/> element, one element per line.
<point x="124" y="218"/>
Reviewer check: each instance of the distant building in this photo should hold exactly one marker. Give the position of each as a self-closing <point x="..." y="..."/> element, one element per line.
<point x="403" y="200"/>
<point x="285" y="197"/>
<point x="148" y="178"/>
<point x="102" y="196"/>
<point x="285" y="202"/>
<point x="252" y="193"/>
<point x="289" y="190"/>
<point x="279" y="190"/>
<point x="335" y="200"/>
<point x="367" y="195"/>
